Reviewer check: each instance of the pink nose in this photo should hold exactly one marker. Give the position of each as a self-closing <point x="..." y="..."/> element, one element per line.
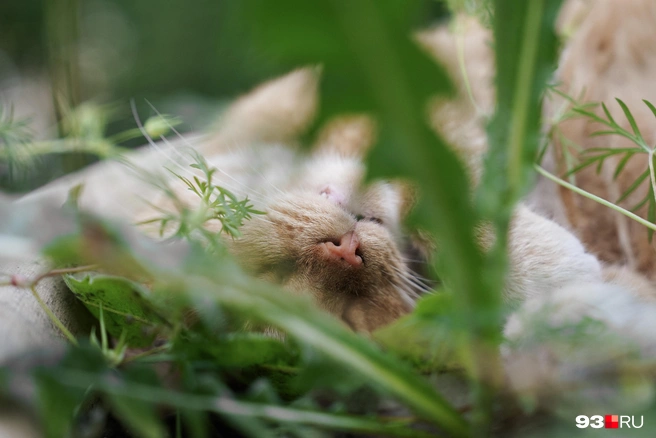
<point x="346" y="249"/>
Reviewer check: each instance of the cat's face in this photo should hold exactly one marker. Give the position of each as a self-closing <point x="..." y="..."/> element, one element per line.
<point x="328" y="236"/>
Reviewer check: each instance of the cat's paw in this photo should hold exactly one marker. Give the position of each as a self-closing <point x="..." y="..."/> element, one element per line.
<point x="545" y="257"/>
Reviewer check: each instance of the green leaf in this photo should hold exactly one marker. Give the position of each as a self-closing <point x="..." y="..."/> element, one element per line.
<point x="592" y="116"/>
<point x="629" y="117"/>
<point x="611" y="121"/>
<point x="602" y="133"/>
<point x="641" y="203"/>
<point x="125" y="305"/>
<point x="57" y="401"/>
<point x="238" y="350"/>
<point x="622" y="164"/>
<point x="524" y="62"/>
<point x="139" y="416"/>
<point x="650" y="106"/>
<point x="195" y="422"/>
<point x="431" y="328"/>
<point x="57" y="404"/>
<point x="525" y="53"/>
<point x="644" y="175"/>
<point x="612" y="151"/>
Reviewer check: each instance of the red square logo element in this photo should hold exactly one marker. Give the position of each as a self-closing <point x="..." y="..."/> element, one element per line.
<point x="611" y="421"/>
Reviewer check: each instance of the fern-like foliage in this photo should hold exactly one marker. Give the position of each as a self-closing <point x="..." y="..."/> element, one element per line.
<point x="598" y="156"/>
<point x="15" y="137"/>
<point x="216" y="203"/>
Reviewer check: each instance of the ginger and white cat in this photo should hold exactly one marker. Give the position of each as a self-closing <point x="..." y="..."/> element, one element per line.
<point x="327" y="234"/>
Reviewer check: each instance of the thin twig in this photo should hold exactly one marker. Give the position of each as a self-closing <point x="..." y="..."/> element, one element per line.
<point x="147" y="353"/>
<point x="651" y="172"/>
<point x="595" y="198"/>
<point x="31" y="285"/>
<point x="53" y="317"/>
<point x="55" y="272"/>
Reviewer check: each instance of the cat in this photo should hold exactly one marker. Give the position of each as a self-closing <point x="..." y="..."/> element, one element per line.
<point x="320" y="197"/>
<point x="327" y="234"/>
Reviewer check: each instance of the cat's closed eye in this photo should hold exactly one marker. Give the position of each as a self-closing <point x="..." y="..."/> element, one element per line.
<point x="361" y="218"/>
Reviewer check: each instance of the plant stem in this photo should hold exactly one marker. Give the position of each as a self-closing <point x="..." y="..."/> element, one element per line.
<point x="522" y="96"/>
<point x="595" y="198"/>
<point x="32" y="286"/>
<point x="63" y="271"/>
<point x="652" y="177"/>
<point x="147" y="353"/>
<point x="53" y="317"/>
<point x="460" y="53"/>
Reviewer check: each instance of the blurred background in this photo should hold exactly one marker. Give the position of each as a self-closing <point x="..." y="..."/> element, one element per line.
<point x="81" y="62"/>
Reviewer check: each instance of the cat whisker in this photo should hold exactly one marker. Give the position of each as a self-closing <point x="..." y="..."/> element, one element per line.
<point x="419" y="289"/>
<point x="412" y="281"/>
<point x="412" y="288"/>
<point x="185" y="160"/>
<point x="263" y="219"/>
<point x="403" y="289"/>
<point x="266" y="180"/>
<point x="172" y="128"/>
<point x="419" y="278"/>
<point x="407" y="260"/>
<point x="150" y="140"/>
<point x="249" y="190"/>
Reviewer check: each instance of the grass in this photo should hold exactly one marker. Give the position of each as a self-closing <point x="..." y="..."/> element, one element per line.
<point x="311" y="382"/>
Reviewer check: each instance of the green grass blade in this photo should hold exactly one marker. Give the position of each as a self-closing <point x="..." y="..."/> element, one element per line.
<point x="622" y="164"/>
<point x="643" y="176"/>
<point x="611" y="120"/>
<point x="582" y="166"/>
<point x="592" y="116"/>
<point x="601" y="133"/>
<point x="651" y="212"/>
<point x="640" y="204"/>
<point x="629" y="117"/>
<point x="650" y="106"/>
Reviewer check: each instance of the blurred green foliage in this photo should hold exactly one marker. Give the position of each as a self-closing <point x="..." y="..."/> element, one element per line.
<point x="209" y="374"/>
<point x="187" y="59"/>
<point x="162" y="48"/>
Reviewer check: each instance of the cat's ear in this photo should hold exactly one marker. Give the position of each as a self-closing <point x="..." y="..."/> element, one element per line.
<point x="279" y="110"/>
<point x="349" y="136"/>
<point x="406" y="193"/>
